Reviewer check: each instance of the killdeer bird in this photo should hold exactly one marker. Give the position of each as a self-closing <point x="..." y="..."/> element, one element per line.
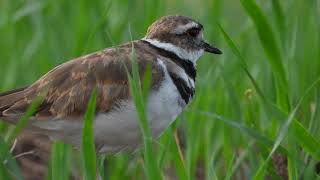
<point x="171" y="46"/>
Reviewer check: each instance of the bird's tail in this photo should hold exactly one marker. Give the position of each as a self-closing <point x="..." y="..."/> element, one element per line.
<point x="7" y="99"/>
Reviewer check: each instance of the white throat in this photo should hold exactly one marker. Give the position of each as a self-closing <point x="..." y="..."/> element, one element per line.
<point x="180" y="52"/>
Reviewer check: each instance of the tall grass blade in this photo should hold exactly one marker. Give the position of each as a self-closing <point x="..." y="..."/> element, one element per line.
<point x="60" y="162"/>
<point x="139" y="95"/>
<point x="250" y="132"/>
<point x="244" y="65"/>
<point x="230" y="167"/>
<point x="178" y="158"/>
<point x="271" y="48"/>
<point x="283" y="131"/>
<point x="88" y="146"/>
<point x="25" y="118"/>
<point x="8" y="165"/>
<point x="304" y="138"/>
<point x="280" y="21"/>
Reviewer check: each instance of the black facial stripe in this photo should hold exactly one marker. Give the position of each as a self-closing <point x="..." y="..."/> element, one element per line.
<point x="185" y="91"/>
<point x="185" y="64"/>
<point x="193" y="33"/>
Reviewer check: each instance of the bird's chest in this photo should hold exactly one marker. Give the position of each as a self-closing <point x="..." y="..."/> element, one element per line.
<point x="164" y="105"/>
<point x="120" y="129"/>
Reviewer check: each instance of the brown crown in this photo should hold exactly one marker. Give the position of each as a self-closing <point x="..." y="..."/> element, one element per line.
<point x="166" y="24"/>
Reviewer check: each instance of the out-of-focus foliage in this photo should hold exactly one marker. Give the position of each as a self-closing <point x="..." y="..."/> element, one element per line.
<point x="254" y="97"/>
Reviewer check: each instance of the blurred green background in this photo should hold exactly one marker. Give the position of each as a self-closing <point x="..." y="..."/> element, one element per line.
<point x="256" y="110"/>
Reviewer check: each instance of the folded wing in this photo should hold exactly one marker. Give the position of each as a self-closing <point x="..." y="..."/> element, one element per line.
<point x="66" y="89"/>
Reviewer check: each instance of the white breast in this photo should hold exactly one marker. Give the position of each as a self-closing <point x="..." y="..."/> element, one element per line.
<point x="164" y="105"/>
<point x="119" y="130"/>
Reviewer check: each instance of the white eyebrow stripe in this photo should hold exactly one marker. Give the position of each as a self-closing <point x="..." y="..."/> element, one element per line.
<point x="183" y="28"/>
<point x="180" y="52"/>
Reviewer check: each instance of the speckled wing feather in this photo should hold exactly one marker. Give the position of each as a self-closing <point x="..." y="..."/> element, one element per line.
<point x="67" y="88"/>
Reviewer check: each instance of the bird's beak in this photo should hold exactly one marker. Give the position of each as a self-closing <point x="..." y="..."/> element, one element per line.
<point x="211" y="49"/>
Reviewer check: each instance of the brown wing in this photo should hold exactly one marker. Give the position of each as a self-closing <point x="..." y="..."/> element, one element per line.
<point x="67" y="88"/>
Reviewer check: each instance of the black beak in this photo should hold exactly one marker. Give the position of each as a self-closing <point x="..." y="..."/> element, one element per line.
<point x="211" y="49"/>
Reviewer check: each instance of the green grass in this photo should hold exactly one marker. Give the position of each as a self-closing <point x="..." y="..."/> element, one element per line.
<point x="88" y="146"/>
<point x="259" y="98"/>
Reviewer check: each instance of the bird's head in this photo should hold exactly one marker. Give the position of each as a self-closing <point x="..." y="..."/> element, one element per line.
<point x="180" y="35"/>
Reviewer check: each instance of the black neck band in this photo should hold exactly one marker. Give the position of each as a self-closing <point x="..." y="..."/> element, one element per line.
<point x="186" y="64"/>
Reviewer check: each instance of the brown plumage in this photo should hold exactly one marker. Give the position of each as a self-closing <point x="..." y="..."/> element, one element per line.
<point x="67" y="88"/>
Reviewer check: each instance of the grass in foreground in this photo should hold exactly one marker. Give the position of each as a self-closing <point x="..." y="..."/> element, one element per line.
<point x="248" y="104"/>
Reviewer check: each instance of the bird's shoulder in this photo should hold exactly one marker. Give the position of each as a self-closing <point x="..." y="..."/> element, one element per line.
<point x="67" y="88"/>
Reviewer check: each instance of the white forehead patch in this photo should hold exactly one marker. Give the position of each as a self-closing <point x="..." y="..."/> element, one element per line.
<point x="180" y="52"/>
<point x="183" y="28"/>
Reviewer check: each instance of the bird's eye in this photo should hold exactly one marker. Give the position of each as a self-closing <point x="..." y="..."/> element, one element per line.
<point x="193" y="32"/>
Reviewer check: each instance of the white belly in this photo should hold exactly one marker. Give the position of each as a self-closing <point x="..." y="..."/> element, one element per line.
<point x="119" y="130"/>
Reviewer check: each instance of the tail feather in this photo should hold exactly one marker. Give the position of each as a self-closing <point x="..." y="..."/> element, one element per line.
<point x="13" y="91"/>
<point x="8" y="98"/>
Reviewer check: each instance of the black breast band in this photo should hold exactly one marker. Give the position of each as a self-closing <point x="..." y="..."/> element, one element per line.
<point x="186" y="92"/>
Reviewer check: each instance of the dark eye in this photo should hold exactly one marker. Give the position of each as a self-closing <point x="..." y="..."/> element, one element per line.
<point x="193" y="32"/>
